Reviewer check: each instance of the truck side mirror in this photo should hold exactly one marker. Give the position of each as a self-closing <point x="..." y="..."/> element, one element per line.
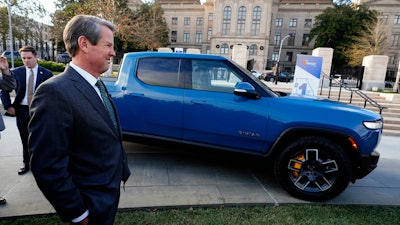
<point x="245" y="89"/>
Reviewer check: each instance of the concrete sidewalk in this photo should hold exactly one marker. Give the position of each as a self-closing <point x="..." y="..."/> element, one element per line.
<point x="167" y="178"/>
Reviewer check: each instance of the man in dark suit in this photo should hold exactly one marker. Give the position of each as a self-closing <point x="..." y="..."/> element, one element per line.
<point x="7" y="83"/>
<point x="20" y="106"/>
<point x="2" y="127"/>
<point x="77" y="156"/>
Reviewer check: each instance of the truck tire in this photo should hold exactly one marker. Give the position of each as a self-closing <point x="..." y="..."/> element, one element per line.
<point x="313" y="168"/>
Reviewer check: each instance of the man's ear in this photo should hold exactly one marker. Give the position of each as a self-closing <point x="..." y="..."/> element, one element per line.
<point x="83" y="44"/>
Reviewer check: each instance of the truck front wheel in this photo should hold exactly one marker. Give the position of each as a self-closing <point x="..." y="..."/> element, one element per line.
<point x="313" y="169"/>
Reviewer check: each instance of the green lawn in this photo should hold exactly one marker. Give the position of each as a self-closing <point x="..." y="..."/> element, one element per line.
<point x="286" y="214"/>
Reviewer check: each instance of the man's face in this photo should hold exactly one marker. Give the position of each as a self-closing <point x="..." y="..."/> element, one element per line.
<point x="101" y="54"/>
<point x="29" y="59"/>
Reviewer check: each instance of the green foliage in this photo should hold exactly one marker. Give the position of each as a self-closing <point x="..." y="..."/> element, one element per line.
<point x="289" y="214"/>
<point x="53" y="66"/>
<point x="337" y="26"/>
<point x="150" y="28"/>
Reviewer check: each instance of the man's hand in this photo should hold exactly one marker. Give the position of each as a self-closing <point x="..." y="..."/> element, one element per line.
<point x="11" y="111"/>
<point x="4" y="65"/>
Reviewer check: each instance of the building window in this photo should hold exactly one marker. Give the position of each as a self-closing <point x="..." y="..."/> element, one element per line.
<point x="397" y="19"/>
<point x="395" y="40"/>
<point x="174" y="21"/>
<point x="306" y="40"/>
<point x="226" y="21"/>
<point x="224" y="49"/>
<point x="384" y="19"/>
<point x="209" y="33"/>
<point x="275" y="56"/>
<point x="253" y="50"/>
<point x="307" y="23"/>
<point x="255" y="25"/>
<point x="208" y="49"/>
<point x="293" y="23"/>
<point x="241" y="20"/>
<point x="210" y="17"/>
<point x="291" y="39"/>
<point x="186" y="36"/>
<point x="289" y="56"/>
<point x="174" y="35"/>
<point x="199" y="21"/>
<point x="186" y="21"/>
<point x="278" y="22"/>
<point x="199" y="36"/>
<point x="277" y="39"/>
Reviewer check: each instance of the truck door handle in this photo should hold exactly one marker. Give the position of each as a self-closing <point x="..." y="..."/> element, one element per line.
<point x="198" y="102"/>
<point x="136" y="94"/>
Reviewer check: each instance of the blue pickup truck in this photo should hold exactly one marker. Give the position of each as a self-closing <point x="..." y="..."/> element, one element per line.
<point x="317" y="145"/>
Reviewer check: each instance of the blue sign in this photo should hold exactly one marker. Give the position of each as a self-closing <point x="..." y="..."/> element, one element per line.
<point x="307" y="75"/>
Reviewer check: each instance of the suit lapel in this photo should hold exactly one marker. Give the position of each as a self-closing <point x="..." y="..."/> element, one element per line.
<point x="92" y="97"/>
<point x="40" y="78"/>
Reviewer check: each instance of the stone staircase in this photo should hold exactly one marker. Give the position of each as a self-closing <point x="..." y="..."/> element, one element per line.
<point x="390" y="114"/>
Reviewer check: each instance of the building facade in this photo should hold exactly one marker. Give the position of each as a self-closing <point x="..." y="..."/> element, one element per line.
<point x="390" y="16"/>
<point x="35" y="34"/>
<point x="215" y="26"/>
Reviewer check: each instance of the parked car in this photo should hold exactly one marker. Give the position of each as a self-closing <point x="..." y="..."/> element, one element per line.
<point x="7" y="54"/>
<point x="256" y="73"/>
<point x="210" y="101"/>
<point x="63" y="58"/>
<point x="267" y="76"/>
<point x="286" y="77"/>
<point x="337" y="79"/>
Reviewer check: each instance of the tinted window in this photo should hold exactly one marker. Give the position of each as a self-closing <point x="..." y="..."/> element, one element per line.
<point x="213" y="76"/>
<point x="159" y="71"/>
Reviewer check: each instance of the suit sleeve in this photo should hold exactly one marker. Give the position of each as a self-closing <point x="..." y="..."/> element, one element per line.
<point x="50" y="129"/>
<point x="8" y="82"/>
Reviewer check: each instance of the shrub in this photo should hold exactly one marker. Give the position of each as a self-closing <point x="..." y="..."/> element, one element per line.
<point x="53" y="66"/>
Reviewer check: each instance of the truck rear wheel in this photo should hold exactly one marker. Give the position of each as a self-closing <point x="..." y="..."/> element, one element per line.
<point x="313" y="168"/>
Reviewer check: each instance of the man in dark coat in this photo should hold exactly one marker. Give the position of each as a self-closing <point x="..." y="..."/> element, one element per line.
<point x="7" y="83"/>
<point x="20" y="106"/>
<point x="77" y="156"/>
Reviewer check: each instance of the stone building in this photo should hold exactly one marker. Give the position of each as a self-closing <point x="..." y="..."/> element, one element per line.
<point x="215" y="26"/>
<point x="390" y="15"/>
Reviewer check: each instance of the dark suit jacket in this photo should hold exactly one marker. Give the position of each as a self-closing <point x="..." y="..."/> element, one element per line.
<point x="20" y="78"/>
<point x="7" y="82"/>
<point x="77" y="157"/>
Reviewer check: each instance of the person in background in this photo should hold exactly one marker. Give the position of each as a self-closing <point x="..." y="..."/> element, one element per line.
<point x="2" y="127"/>
<point x="24" y="91"/>
<point x="7" y="83"/>
<point x="77" y="156"/>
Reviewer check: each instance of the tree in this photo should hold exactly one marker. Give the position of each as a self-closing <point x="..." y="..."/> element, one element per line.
<point x="24" y="28"/>
<point x="4" y="29"/>
<point x="337" y="27"/>
<point x="371" y="41"/>
<point x="143" y="29"/>
<point x="150" y="29"/>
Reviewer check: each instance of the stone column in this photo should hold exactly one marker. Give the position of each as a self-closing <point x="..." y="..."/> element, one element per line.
<point x="375" y="67"/>
<point x="327" y="55"/>
<point x="239" y="55"/>
<point x="396" y="84"/>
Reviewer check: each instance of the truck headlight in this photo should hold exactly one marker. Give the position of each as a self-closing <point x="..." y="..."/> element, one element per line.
<point x="373" y="125"/>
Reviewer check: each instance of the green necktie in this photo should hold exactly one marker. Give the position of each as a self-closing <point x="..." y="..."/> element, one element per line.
<point x="106" y="101"/>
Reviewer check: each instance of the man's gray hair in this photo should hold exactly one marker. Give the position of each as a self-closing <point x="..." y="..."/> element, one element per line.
<point x="83" y="25"/>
